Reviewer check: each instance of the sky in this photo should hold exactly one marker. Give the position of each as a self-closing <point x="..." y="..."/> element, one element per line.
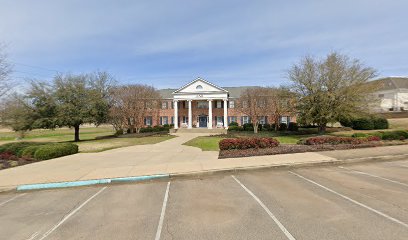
<point x="169" y="43"/>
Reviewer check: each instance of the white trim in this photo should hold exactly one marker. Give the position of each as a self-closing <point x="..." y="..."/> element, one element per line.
<point x="352" y="200"/>
<point x="271" y="215"/>
<point x="199" y="79"/>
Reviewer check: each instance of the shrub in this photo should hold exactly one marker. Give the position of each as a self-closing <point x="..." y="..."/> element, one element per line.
<point x="29" y="152"/>
<point x="293" y="126"/>
<point x="247" y="143"/>
<point x="235" y="124"/>
<point x="266" y="127"/>
<point x="394" y="135"/>
<point x="146" y="129"/>
<point x="235" y="128"/>
<point x="359" y="135"/>
<point x="363" y="124"/>
<point x="283" y="127"/>
<point x="380" y="123"/>
<point x="17" y="148"/>
<point x="346" y="122"/>
<point x="248" y="127"/>
<point x="332" y="140"/>
<point x="55" y="150"/>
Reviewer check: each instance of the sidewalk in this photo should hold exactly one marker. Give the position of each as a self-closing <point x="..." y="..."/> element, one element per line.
<point x="168" y="157"/>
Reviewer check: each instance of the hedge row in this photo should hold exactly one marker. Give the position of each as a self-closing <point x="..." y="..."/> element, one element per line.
<point x="332" y="140"/>
<point x="366" y="123"/>
<point x="164" y="128"/>
<point x="247" y="143"/>
<point x="233" y="126"/>
<point x="39" y="151"/>
<point x="389" y="135"/>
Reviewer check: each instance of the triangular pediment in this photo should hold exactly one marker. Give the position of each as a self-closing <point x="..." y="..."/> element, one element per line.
<point x="200" y="85"/>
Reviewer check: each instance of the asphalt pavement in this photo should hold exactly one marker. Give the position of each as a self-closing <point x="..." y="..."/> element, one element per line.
<point x="359" y="201"/>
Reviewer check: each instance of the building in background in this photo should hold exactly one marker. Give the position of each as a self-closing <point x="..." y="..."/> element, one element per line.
<point x="392" y="95"/>
<point x="201" y="104"/>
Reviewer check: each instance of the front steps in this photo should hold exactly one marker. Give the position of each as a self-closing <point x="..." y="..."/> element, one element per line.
<point x="199" y="130"/>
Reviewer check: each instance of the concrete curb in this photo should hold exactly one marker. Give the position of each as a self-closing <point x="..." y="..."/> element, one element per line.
<point x="39" y="186"/>
<point x="198" y="174"/>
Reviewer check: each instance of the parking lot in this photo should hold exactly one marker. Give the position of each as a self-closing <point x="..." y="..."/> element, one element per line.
<point x="361" y="201"/>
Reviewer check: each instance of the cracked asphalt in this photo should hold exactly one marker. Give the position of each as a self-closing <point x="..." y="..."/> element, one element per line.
<point x="359" y="201"/>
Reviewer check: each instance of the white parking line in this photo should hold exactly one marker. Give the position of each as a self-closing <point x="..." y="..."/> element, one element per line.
<point x="280" y="225"/>
<point x="70" y="214"/>
<point x="163" y="212"/>
<point x="352" y="200"/>
<point x="374" y="176"/>
<point x="13" y="198"/>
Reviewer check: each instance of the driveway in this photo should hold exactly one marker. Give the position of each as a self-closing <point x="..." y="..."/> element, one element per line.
<point x="350" y="202"/>
<point x="121" y="162"/>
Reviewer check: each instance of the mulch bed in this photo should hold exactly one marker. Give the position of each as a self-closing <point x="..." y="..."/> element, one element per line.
<point x="6" y="163"/>
<point x="294" y="148"/>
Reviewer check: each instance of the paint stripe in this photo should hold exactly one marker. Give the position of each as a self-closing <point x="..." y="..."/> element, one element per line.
<point x="280" y="225"/>
<point x="88" y="182"/>
<point x="70" y="214"/>
<point x="163" y="212"/>
<point x="352" y="200"/>
<point x="374" y="176"/>
<point x="11" y="199"/>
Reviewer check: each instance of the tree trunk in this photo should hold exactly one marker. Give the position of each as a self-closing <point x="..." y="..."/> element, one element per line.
<point x="322" y="128"/>
<point x="76" y="133"/>
<point x="256" y="127"/>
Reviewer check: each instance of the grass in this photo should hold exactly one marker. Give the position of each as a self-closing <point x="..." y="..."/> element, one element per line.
<point x="111" y="143"/>
<point x="210" y="143"/>
<point x="89" y="136"/>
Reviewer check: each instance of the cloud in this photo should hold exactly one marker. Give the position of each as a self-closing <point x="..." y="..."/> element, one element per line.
<point x="227" y="40"/>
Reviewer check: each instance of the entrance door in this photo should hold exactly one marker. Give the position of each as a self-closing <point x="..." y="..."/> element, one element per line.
<point x="202" y="121"/>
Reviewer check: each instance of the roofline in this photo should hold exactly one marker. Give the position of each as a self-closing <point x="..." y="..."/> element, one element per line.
<point x="200" y="79"/>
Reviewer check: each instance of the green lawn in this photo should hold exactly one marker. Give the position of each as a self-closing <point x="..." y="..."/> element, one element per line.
<point x="88" y="136"/>
<point x="210" y="143"/>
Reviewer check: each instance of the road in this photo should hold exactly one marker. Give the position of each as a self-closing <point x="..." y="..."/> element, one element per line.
<point x="360" y="201"/>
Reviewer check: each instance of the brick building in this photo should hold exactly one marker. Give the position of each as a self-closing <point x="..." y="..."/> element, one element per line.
<point x="201" y="104"/>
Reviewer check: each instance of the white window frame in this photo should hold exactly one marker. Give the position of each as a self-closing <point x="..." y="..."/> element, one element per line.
<point x="219" y="104"/>
<point x="245" y="119"/>
<point x="231" y="104"/>
<point x="262" y="120"/>
<point x="149" y="121"/>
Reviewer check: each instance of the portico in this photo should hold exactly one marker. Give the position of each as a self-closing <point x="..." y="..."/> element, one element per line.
<point x="205" y="97"/>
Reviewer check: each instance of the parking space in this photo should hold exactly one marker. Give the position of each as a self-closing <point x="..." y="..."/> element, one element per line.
<point x="360" y="201"/>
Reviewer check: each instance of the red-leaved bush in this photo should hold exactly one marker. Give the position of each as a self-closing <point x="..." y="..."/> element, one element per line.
<point x="247" y="143"/>
<point x="333" y="140"/>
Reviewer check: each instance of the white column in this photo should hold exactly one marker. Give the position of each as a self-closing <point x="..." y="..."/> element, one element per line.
<point x="190" y="115"/>
<point x="175" y="114"/>
<point x="225" y="114"/>
<point x="210" y="120"/>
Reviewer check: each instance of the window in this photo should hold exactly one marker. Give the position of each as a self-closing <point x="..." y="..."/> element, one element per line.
<point x="245" y="119"/>
<point x="172" y="105"/>
<point x="231" y="104"/>
<point x="284" y="119"/>
<point x="202" y="104"/>
<point x="219" y="120"/>
<point x="199" y="87"/>
<point x="164" y="105"/>
<point x="219" y="104"/>
<point x="245" y="104"/>
<point x="185" y="119"/>
<point x="172" y="120"/>
<point x="232" y="119"/>
<point x="262" y="120"/>
<point x="148" y="121"/>
<point x="164" y="120"/>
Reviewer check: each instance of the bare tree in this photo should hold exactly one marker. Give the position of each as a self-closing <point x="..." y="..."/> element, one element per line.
<point x="5" y="71"/>
<point x="131" y="104"/>
<point x="330" y="88"/>
<point x="253" y="102"/>
<point x="280" y="102"/>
